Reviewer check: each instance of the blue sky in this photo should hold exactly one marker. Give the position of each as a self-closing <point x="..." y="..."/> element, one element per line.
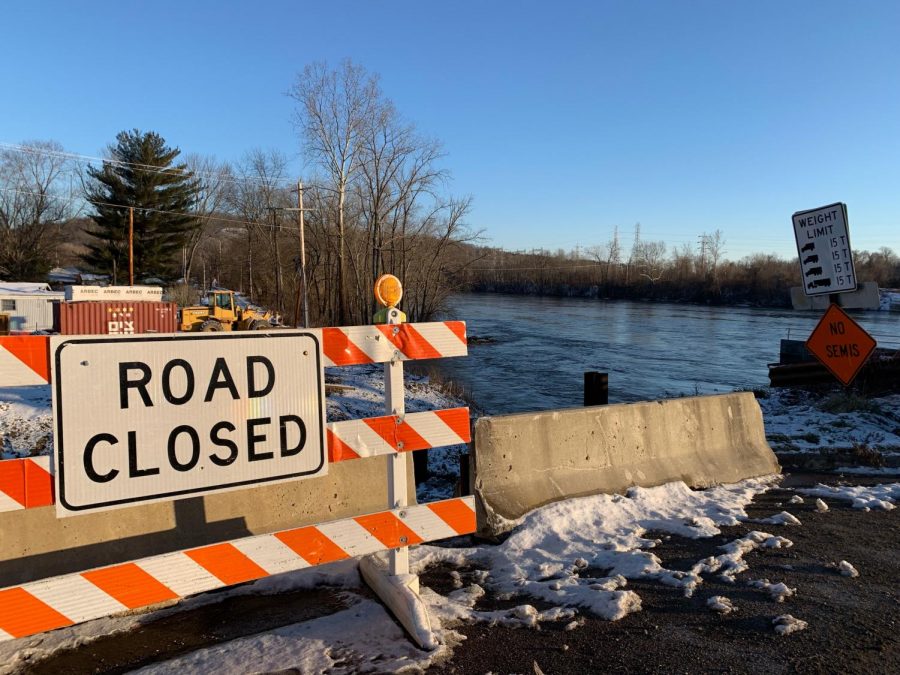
<point x="561" y="119"/>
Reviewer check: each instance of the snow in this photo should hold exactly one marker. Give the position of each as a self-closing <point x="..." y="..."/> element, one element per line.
<point x="847" y="569"/>
<point x="26" y="422"/>
<point x="821" y="506"/>
<point x="720" y="604"/>
<point x="787" y="624"/>
<point x="867" y="497"/>
<point x="778" y="592"/>
<point x="801" y="422"/>
<point x="783" y="518"/>
<point x="796" y="499"/>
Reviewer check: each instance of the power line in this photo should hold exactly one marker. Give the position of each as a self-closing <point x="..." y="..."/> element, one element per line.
<point x="224" y="219"/>
<point x="28" y="149"/>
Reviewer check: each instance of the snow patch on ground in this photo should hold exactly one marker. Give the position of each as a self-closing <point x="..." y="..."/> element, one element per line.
<point x="778" y="592"/>
<point x="847" y="570"/>
<point x="721" y="604"/>
<point x="26" y="422"/>
<point x="783" y="518"/>
<point x="799" y="421"/>
<point x="867" y="497"/>
<point x="787" y="624"/>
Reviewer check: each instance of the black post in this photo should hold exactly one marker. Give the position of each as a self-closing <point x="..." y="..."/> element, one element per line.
<point x="420" y="466"/>
<point x="596" y="388"/>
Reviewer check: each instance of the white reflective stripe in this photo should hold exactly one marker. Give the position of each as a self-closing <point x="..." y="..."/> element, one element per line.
<point x="4" y="635"/>
<point x="361" y="438"/>
<point x="444" y="340"/>
<point x="180" y="573"/>
<point x="351" y="537"/>
<point x="269" y="553"/>
<point x="7" y="503"/>
<point x="42" y="461"/>
<point x="75" y="597"/>
<point x="372" y="343"/>
<point x="427" y="524"/>
<point x="14" y="373"/>
<point x="433" y="429"/>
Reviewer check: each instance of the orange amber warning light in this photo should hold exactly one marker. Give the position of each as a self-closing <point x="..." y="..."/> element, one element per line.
<point x="388" y="290"/>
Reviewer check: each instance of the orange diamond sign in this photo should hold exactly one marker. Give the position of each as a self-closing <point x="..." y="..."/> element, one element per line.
<point x="841" y="344"/>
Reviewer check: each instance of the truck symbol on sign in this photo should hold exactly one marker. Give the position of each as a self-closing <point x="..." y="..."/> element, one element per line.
<point x="814" y="271"/>
<point x="819" y="282"/>
<point x="811" y="259"/>
<point x="809" y="247"/>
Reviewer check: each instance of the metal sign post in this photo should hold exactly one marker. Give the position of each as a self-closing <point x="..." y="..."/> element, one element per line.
<point x="395" y="404"/>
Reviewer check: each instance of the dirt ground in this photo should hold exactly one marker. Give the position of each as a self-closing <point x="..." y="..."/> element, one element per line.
<point x="853" y="622"/>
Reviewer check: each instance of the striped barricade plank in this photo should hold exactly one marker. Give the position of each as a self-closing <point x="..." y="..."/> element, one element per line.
<point x="73" y="598"/>
<point x="372" y="436"/>
<point x="25" y="483"/>
<point x="28" y="483"/>
<point x="25" y="359"/>
<point x="381" y="343"/>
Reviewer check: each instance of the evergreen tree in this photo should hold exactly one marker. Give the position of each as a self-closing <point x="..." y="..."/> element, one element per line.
<point x="140" y="173"/>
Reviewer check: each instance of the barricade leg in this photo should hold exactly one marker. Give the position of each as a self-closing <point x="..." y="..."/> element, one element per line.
<point x="390" y="578"/>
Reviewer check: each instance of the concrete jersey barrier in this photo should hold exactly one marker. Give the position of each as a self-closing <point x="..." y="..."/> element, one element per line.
<point x="527" y="460"/>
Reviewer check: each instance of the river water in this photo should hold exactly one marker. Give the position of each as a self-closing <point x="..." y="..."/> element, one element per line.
<point x="650" y="350"/>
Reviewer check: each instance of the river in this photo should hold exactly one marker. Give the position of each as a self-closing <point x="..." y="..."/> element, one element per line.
<point x="650" y="350"/>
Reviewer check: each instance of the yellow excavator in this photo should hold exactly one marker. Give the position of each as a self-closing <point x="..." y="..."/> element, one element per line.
<point x="225" y="312"/>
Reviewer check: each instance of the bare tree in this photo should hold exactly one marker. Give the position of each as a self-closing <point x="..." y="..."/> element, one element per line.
<point x="33" y="207"/>
<point x="216" y="180"/>
<point x="335" y="107"/>
<point x="650" y="259"/>
<point x="256" y="196"/>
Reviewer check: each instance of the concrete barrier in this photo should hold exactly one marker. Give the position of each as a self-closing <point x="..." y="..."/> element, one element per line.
<point x="866" y="296"/>
<point x="525" y="461"/>
<point x="35" y="544"/>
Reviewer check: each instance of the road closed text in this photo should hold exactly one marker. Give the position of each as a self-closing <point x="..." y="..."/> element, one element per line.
<point x="222" y="413"/>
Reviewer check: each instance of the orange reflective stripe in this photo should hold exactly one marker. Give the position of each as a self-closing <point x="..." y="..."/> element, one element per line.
<point x="389" y="529"/>
<point x="311" y="545"/>
<point x="458" y="420"/>
<point x="337" y="347"/>
<point x="409" y="341"/>
<point x="337" y="449"/>
<point x="38" y="486"/>
<point x="12" y="479"/>
<point x="130" y="585"/>
<point x="456" y="514"/>
<point x="23" y="614"/>
<point x="32" y="350"/>
<point x="458" y="328"/>
<point x="394" y="433"/>
<point x="226" y="563"/>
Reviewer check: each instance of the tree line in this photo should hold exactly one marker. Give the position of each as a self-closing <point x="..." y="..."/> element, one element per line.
<point x="375" y="201"/>
<point x="649" y="270"/>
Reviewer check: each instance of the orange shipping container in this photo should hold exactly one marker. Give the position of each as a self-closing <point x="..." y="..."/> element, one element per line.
<point x="115" y="318"/>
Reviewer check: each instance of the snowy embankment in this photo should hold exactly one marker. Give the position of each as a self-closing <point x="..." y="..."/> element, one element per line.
<point x="561" y="561"/>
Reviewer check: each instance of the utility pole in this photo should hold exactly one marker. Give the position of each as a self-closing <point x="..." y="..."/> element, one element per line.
<point x="302" y="227"/>
<point x="131" y="246"/>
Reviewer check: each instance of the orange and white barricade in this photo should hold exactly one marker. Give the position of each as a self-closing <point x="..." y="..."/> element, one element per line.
<point x="55" y="602"/>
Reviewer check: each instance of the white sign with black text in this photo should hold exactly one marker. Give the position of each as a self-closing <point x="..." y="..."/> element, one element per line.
<point x="823" y="244"/>
<point x="152" y="418"/>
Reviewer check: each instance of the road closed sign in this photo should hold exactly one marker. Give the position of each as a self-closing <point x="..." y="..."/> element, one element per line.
<point x="153" y="418"/>
<point x="823" y="244"/>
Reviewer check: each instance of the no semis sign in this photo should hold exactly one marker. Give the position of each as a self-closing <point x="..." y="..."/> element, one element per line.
<point x="152" y="418"/>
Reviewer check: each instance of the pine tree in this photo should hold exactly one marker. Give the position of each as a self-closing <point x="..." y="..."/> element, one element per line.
<point x="140" y="173"/>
